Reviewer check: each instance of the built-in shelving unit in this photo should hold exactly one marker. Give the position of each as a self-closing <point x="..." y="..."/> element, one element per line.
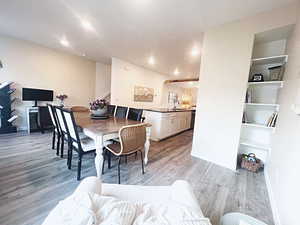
<point x="267" y="83"/>
<point x="7" y="114"/>
<point x="253" y="144"/>
<point x="270" y="60"/>
<point x="257" y="127"/>
<point x="262" y="104"/>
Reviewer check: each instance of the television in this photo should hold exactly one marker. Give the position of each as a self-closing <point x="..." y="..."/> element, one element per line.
<point x="31" y="94"/>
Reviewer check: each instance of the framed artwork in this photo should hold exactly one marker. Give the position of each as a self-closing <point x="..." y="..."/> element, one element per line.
<point x="143" y="94"/>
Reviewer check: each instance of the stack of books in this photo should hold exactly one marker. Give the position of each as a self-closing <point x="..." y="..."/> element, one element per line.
<point x="272" y="120"/>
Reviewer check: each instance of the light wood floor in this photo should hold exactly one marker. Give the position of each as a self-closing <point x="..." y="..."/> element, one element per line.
<point x="33" y="179"/>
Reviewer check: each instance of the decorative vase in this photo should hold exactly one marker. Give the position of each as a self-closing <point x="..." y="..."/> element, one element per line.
<point x="100" y="112"/>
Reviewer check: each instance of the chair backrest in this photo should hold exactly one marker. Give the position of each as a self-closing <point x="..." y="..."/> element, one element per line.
<point x="53" y="116"/>
<point x="79" y="109"/>
<point x="71" y="127"/>
<point x="44" y="117"/>
<point x="132" y="138"/>
<point x="60" y="119"/>
<point x="111" y="110"/>
<point x="135" y="114"/>
<point x="121" y="112"/>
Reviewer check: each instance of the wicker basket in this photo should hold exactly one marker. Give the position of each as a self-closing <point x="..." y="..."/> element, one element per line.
<point x="250" y="165"/>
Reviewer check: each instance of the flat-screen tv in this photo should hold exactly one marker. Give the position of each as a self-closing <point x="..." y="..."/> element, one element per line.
<point x="31" y="94"/>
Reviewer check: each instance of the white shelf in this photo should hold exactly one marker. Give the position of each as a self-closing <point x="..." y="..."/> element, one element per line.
<point x="253" y="144"/>
<point x="270" y="60"/>
<point x="258" y="126"/>
<point x="274" y="83"/>
<point x="262" y="104"/>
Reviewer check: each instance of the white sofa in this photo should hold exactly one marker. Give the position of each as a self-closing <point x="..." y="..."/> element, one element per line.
<point x="180" y="192"/>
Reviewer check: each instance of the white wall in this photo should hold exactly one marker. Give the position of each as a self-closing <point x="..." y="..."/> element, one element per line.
<point x="283" y="168"/>
<point x="225" y="65"/>
<point x="103" y="80"/>
<point x="30" y="65"/>
<point x="124" y="76"/>
<point x="222" y="84"/>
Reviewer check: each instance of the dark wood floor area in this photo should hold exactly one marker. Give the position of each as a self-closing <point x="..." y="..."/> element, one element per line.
<point x="33" y="179"/>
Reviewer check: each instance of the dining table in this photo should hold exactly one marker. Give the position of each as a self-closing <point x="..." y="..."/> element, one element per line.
<point x="102" y="130"/>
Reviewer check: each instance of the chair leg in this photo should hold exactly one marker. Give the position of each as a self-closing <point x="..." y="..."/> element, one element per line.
<point x="79" y="167"/>
<point x="70" y="155"/>
<point x="126" y="159"/>
<point x="58" y="144"/>
<point x="119" y="162"/>
<point x="53" y="140"/>
<point x="109" y="159"/>
<point x="136" y="155"/>
<point x="142" y="159"/>
<point x="104" y="157"/>
<point x="62" y="146"/>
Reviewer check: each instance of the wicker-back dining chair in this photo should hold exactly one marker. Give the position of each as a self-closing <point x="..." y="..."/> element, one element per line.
<point x="132" y="140"/>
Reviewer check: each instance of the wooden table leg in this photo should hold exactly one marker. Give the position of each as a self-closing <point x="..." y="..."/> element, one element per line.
<point x="99" y="157"/>
<point x="147" y="144"/>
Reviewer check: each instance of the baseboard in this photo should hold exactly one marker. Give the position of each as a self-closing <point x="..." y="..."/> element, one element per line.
<point x="272" y="199"/>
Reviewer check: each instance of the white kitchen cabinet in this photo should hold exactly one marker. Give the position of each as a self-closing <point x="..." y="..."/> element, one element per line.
<point x="166" y="124"/>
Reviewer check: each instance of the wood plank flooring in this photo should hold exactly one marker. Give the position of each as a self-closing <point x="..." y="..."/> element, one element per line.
<point x="33" y="179"/>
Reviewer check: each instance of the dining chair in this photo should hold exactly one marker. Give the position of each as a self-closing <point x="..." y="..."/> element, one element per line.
<point x="121" y="112"/>
<point x="44" y="119"/>
<point x="135" y="114"/>
<point x="79" y="109"/>
<point x="56" y="130"/>
<point x="63" y="130"/>
<point x="132" y="140"/>
<point x="82" y="146"/>
<point x="111" y="110"/>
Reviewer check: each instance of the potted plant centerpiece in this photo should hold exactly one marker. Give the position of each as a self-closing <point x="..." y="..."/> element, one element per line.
<point x="99" y="107"/>
<point x="62" y="98"/>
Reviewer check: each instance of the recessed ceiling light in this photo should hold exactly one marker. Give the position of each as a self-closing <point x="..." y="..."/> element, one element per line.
<point x="151" y="60"/>
<point x="64" y="42"/>
<point x="87" y="25"/>
<point x="195" y="51"/>
<point x="176" y="71"/>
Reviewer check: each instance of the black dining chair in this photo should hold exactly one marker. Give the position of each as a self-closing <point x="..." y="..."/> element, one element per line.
<point x="44" y="119"/>
<point x="121" y="112"/>
<point x="56" y="129"/>
<point x="82" y="146"/>
<point x="111" y="110"/>
<point x="63" y="130"/>
<point x="135" y="114"/>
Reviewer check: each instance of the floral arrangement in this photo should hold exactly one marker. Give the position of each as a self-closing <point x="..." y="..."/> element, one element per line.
<point x="98" y="104"/>
<point x="62" y="97"/>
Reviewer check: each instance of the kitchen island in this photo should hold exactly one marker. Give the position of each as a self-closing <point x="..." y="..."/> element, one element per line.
<point x="167" y="122"/>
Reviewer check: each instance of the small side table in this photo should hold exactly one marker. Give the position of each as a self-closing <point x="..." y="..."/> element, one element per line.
<point x="239" y="219"/>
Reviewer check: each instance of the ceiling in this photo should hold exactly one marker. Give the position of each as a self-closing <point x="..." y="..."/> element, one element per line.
<point x="131" y="30"/>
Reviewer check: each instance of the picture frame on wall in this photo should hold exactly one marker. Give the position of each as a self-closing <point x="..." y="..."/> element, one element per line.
<point x="143" y="94"/>
<point x="276" y="73"/>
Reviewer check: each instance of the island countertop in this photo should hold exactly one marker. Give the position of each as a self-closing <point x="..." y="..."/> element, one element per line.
<point x="166" y="110"/>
